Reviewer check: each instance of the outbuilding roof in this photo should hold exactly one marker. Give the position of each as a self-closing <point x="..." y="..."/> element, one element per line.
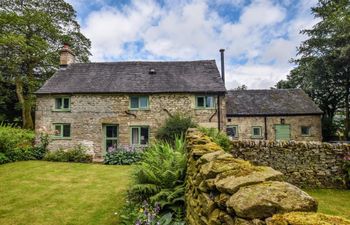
<point x="270" y="102"/>
<point x="136" y="77"/>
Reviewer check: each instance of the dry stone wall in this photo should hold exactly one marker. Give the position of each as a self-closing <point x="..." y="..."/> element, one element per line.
<point x="305" y="164"/>
<point x="221" y="189"/>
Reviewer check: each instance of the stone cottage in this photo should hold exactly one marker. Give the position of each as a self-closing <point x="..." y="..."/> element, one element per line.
<point x="277" y="114"/>
<point x="104" y="105"/>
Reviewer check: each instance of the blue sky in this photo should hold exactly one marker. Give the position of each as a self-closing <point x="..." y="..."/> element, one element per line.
<point x="260" y="36"/>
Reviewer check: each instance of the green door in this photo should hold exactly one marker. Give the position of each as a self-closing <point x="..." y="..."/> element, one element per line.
<point x="282" y="132"/>
<point x="110" y="137"/>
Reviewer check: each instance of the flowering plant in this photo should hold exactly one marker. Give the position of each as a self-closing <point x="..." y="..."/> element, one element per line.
<point x="123" y="155"/>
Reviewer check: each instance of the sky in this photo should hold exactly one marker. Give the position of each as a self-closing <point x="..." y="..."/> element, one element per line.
<point x="259" y="36"/>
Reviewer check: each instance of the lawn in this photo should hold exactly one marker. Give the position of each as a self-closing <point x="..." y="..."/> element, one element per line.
<point x="39" y="192"/>
<point x="334" y="202"/>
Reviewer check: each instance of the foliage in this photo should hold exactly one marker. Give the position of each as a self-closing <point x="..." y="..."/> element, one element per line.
<point x="160" y="175"/>
<point x="31" y="33"/>
<point x="16" y="144"/>
<point x="175" y="126"/>
<point x="346" y="168"/>
<point x="323" y="69"/>
<point x="76" y="154"/>
<point x="146" y="214"/>
<point x="3" y="158"/>
<point x="123" y="156"/>
<point x="219" y="138"/>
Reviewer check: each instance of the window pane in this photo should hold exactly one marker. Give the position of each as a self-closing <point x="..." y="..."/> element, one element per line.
<point x="58" y="103"/>
<point x="143" y="102"/>
<point x="135" y="136"/>
<point x="144" y="135"/>
<point x="305" y="130"/>
<point x="66" y="103"/>
<point x="111" y="131"/>
<point x="256" y="131"/>
<point x="66" y="130"/>
<point x="58" y="130"/>
<point x="111" y="145"/>
<point x="209" y="102"/>
<point x="231" y="131"/>
<point x="134" y="102"/>
<point x="200" y="101"/>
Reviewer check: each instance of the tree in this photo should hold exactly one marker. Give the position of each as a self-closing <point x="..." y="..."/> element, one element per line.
<point x="323" y="69"/>
<point x="31" y="33"/>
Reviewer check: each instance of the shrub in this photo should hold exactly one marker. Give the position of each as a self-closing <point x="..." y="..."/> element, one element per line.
<point x="219" y="138"/>
<point x="123" y="156"/>
<point x="76" y="154"/>
<point x="3" y="158"/>
<point x="160" y="175"/>
<point x="16" y="143"/>
<point x="175" y="126"/>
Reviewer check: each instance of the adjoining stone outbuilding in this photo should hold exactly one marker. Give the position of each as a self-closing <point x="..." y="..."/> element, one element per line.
<point x="276" y="114"/>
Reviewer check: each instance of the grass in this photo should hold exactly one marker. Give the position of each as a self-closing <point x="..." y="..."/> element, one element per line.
<point x="333" y="202"/>
<point x="50" y="193"/>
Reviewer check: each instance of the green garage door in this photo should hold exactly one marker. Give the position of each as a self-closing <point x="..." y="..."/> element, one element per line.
<point x="282" y="132"/>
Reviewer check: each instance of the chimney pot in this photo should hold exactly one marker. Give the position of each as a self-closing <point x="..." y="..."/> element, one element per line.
<point x="67" y="56"/>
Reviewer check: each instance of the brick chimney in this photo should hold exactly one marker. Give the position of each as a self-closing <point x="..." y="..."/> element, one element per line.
<point x="66" y="56"/>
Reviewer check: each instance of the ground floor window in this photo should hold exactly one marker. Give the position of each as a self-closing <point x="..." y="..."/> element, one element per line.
<point x="232" y="131"/>
<point x="62" y="130"/>
<point x="305" y="131"/>
<point x="110" y="137"/>
<point x="139" y="135"/>
<point x="256" y="132"/>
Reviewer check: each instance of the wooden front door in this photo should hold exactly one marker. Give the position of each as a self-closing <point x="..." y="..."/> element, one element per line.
<point x="110" y="137"/>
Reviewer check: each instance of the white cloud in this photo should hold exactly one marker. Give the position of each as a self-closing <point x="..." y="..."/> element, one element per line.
<point x="258" y="44"/>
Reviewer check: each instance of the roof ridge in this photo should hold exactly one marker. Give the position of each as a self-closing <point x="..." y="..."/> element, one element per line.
<point x="175" y="61"/>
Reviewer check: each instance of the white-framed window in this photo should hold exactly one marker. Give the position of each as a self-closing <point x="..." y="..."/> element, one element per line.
<point x="305" y="130"/>
<point x="139" y="135"/>
<point x="205" y="102"/>
<point x="62" y="130"/>
<point x="62" y="104"/>
<point x="256" y="132"/>
<point x="232" y="131"/>
<point x="139" y="102"/>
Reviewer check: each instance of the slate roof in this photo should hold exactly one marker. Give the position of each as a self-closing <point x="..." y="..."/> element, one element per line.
<point x="270" y="102"/>
<point x="134" y="77"/>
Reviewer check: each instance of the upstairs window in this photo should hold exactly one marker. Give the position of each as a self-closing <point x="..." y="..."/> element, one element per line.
<point x="139" y="102"/>
<point x="305" y="131"/>
<point x="205" y="102"/>
<point x="256" y="132"/>
<point x="62" y="104"/>
<point x="62" y="130"/>
<point x="232" y="131"/>
<point x="139" y="135"/>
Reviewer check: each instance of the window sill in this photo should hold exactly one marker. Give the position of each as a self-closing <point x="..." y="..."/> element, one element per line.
<point x="61" y="110"/>
<point x="148" y="109"/>
<point x="61" y="138"/>
<point x="203" y="108"/>
<point x="257" y="137"/>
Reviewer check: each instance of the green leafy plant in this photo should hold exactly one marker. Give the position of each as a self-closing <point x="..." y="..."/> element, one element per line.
<point x="218" y="137"/>
<point x="175" y="126"/>
<point x="16" y="143"/>
<point x="160" y="175"/>
<point x="76" y="154"/>
<point x="3" y="158"/>
<point x="123" y="156"/>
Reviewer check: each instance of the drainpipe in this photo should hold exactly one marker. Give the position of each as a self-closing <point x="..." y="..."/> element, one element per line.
<point x="265" y="122"/>
<point x="219" y="114"/>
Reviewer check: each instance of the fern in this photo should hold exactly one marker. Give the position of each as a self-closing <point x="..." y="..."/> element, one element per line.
<point x="160" y="175"/>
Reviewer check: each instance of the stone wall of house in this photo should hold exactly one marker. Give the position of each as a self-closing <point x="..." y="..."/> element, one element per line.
<point x="245" y="125"/>
<point x="89" y="112"/>
<point x="305" y="164"/>
<point x="221" y="189"/>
